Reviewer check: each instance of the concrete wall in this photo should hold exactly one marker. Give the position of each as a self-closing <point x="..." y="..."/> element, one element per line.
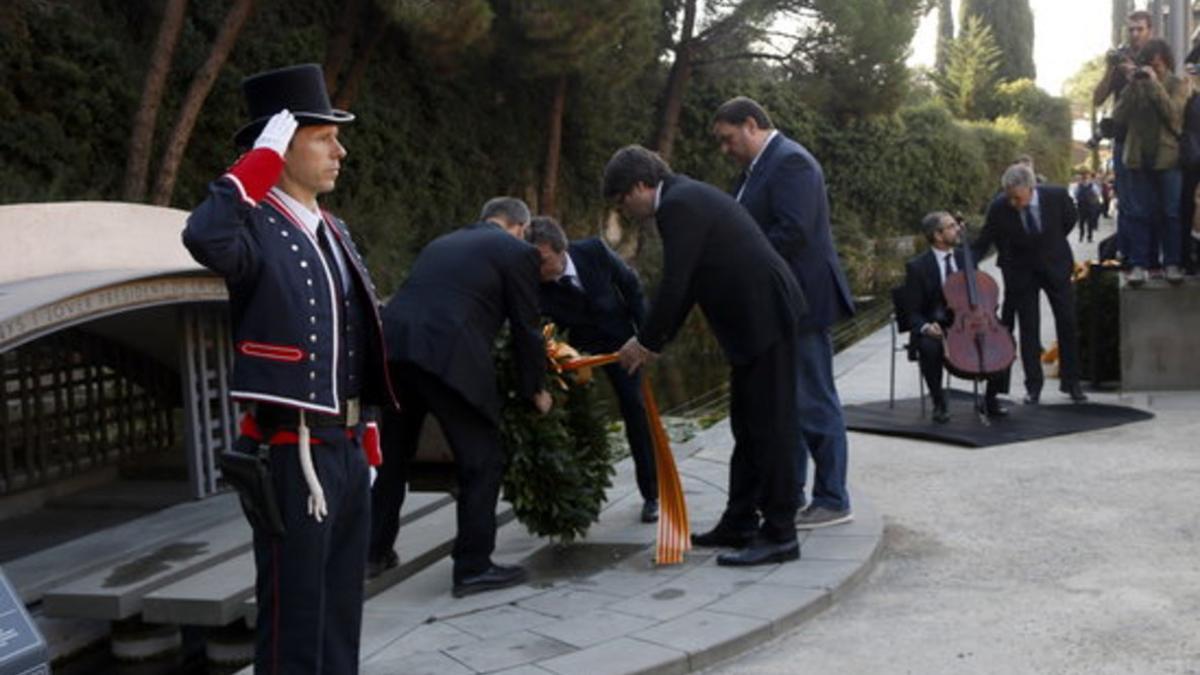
<point x="1160" y="336"/>
<point x="56" y="238"/>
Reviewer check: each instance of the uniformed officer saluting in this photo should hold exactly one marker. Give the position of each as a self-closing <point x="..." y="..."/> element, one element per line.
<point x="308" y="353"/>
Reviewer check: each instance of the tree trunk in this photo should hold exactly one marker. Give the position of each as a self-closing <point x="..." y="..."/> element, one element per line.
<point x="141" y="140"/>
<point x="1095" y="153"/>
<point x="677" y="80"/>
<point x="945" y="34"/>
<point x="548" y="204"/>
<point x="189" y="111"/>
<point x="337" y="50"/>
<point x="1120" y="10"/>
<point x="347" y="92"/>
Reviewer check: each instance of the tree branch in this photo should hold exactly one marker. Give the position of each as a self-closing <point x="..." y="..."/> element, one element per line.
<point x="738" y="56"/>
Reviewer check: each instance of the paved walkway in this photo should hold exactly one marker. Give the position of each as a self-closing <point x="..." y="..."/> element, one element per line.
<point x="600" y="606"/>
<point x="1071" y="554"/>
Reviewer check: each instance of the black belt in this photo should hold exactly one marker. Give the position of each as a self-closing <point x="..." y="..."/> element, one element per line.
<point x="271" y="416"/>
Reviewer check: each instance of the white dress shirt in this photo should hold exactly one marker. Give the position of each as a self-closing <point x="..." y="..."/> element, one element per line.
<point x="311" y="221"/>
<point x="754" y="162"/>
<point x="570" y="273"/>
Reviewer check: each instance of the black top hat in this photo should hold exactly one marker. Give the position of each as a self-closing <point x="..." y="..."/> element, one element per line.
<point x="300" y="89"/>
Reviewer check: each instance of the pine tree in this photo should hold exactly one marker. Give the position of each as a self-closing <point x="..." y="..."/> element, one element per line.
<point x="972" y="65"/>
<point x="554" y="43"/>
<point x="1011" y="24"/>
<point x="853" y="61"/>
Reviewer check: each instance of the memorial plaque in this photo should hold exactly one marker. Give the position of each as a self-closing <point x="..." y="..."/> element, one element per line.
<point x="22" y="648"/>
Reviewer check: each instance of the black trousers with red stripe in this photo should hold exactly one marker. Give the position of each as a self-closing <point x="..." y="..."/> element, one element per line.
<point x="310" y="581"/>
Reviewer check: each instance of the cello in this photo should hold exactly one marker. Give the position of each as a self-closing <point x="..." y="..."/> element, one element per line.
<point x="976" y="344"/>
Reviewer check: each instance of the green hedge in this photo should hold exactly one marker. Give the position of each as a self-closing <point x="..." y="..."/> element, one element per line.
<point x="434" y="140"/>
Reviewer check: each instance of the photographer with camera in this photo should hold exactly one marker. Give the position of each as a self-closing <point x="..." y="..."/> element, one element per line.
<point x="1151" y="107"/>
<point x="1120" y="63"/>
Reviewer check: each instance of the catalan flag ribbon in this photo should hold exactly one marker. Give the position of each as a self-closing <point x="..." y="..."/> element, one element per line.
<point x="674" y="533"/>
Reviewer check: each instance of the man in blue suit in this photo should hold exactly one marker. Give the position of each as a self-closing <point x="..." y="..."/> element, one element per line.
<point x="593" y="295"/>
<point x="783" y="188"/>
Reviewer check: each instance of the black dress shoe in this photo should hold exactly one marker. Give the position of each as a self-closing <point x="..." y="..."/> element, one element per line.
<point x="377" y="566"/>
<point x="1032" y="398"/>
<point x="761" y="551"/>
<point x="493" y="578"/>
<point x="1075" y="391"/>
<point x="650" y="511"/>
<point x="941" y="414"/>
<point x="992" y="408"/>
<point x="722" y="537"/>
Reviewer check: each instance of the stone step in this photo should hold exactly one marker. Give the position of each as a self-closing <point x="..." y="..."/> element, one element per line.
<point x="217" y="596"/>
<point x="34" y="574"/>
<point x="116" y="591"/>
<point x="422" y="542"/>
<point x="213" y="597"/>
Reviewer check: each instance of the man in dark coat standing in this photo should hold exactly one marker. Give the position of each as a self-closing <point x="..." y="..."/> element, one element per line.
<point x="715" y="256"/>
<point x="593" y="295"/>
<point x="308" y="355"/>
<point x="1028" y="224"/>
<point x="440" y="328"/>
<point x="783" y="188"/>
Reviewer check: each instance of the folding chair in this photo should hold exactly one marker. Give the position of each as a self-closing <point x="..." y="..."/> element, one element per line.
<point x="899" y="324"/>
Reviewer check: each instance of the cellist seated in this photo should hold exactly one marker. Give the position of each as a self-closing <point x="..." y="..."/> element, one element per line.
<point x="929" y="317"/>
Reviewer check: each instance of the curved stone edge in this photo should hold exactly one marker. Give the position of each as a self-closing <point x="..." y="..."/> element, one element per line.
<point x="814" y="601"/>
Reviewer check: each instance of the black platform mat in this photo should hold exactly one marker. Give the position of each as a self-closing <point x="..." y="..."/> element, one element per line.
<point x="1023" y="423"/>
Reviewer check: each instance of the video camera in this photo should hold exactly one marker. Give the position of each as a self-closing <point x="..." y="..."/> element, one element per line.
<point x="1106" y="128"/>
<point x="1118" y="55"/>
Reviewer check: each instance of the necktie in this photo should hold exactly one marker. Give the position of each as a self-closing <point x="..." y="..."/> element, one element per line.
<point x="326" y="244"/>
<point x="1031" y="221"/>
<point x="949" y="266"/>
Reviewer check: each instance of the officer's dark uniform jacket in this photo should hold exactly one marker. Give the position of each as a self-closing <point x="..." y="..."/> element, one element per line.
<point x="293" y="327"/>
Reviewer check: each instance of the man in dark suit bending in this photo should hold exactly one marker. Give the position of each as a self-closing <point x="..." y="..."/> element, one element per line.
<point x="928" y="314"/>
<point x="593" y="295"/>
<point x="1028" y="224"/>
<point x="440" y="327"/>
<point x="715" y="256"/>
<point x="783" y="188"/>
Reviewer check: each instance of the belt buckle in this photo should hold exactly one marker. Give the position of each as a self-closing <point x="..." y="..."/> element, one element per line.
<point x="353" y="412"/>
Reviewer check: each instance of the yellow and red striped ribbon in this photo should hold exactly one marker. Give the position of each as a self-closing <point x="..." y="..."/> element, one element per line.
<point x="674" y="533"/>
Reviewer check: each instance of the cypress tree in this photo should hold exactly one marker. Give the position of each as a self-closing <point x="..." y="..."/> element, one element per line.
<point x="945" y="33"/>
<point x="1011" y="24"/>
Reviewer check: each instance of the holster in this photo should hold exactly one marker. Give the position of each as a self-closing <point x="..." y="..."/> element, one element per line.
<point x="247" y="467"/>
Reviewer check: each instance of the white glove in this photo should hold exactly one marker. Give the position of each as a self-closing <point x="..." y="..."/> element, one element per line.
<point x="278" y="132"/>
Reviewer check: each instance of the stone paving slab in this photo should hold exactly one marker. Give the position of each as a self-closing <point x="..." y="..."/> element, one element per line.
<point x="34" y="574"/>
<point x="601" y="606"/>
<point x="514" y="649"/>
<point x="594" y="627"/>
<point x="116" y="592"/>
<point x="622" y="656"/>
